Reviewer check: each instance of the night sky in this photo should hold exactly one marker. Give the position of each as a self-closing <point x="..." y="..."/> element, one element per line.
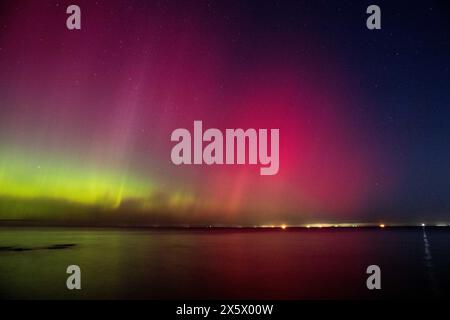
<point x="86" y="115"/>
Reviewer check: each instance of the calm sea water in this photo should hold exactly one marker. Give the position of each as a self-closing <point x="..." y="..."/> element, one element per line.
<point x="225" y="264"/>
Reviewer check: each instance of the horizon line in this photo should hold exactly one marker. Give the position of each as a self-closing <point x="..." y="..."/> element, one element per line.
<point x="283" y="226"/>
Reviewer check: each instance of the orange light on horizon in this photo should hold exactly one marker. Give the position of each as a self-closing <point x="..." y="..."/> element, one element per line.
<point x="382" y="225"/>
<point x="283" y="226"/>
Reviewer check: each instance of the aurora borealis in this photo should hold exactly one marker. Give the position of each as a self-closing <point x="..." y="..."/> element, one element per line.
<point x="86" y="115"/>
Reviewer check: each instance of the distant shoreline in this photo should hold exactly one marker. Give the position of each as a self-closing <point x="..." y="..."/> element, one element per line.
<point x="46" y="224"/>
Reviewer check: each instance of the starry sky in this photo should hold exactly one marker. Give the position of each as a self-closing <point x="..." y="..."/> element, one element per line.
<point x="86" y="115"/>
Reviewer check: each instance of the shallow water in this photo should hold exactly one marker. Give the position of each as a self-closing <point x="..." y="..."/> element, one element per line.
<point x="223" y="264"/>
